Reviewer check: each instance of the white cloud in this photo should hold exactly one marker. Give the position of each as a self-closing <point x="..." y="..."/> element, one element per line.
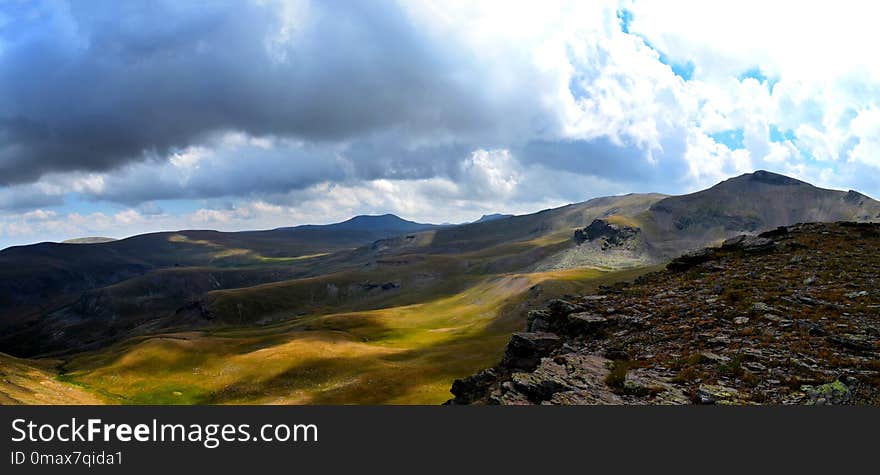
<point x="866" y="129"/>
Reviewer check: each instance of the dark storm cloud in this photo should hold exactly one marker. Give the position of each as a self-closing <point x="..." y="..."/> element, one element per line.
<point x="622" y="163"/>
<point x="23" y="198"/>
<point x="102" y="84"/>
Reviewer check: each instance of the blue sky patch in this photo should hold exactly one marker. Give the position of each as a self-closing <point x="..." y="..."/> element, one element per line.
<point x="732" y="139"/>
<point x="625" y="17"/>
<point x="682" y="70"/>
<point x="777" y="135"/>
<point x="757" y="74"/>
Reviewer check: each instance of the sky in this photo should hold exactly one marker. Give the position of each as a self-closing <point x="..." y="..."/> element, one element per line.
<point x="124" y="117"/>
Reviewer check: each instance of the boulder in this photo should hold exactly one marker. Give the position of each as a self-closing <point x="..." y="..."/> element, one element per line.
<point x="586" y="322"/>
<point x="473" y="387"/>
<point x="525" y="349"/>
<point x="716" y="394"/>
<point x="749" y="244"/>
<point x="691" y="259"/>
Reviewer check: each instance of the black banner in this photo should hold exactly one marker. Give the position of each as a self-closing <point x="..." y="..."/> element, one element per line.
<point x="129" y="439"/>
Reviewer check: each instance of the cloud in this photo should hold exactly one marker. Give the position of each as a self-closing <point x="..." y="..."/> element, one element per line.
<point x="264" y="113"/>
<point x="95" y="86"/>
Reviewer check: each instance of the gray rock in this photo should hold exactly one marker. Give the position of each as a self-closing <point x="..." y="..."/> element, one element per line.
<point x="561" y="308"/>
<point x="538" y="321"/>
<point x="614" y="235"/>
<point x="851" y="343"/>
<point x="473" y="387"/>
<point x="586" y="322"/>
<point x="749" y="244"/>
<point x="690" y="259"/>
<point x="713" y="357"/>
<point x="525" y="349"/>
<point x="716" y="394"/>
<point x="548" y="379"/>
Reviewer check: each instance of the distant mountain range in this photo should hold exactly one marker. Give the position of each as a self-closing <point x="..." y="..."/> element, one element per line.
<point x="385" y="223"/>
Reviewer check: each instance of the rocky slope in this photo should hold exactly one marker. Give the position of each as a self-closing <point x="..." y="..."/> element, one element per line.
<point x="791" y="316"/>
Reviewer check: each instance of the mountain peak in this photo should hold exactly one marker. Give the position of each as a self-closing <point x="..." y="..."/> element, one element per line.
<point x="767" y="177"/>
<point x="388" y="221"/>
<point x="376" y="217"/>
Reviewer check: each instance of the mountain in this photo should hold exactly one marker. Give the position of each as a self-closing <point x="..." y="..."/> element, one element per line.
<point x="749" y="203"/>
<point x="787" y="317"/>
<point x="386" y="223"/>
<point x="373" y="289"/>
<point x="492" y="217"/>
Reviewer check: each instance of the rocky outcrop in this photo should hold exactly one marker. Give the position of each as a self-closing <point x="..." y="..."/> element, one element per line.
<point x="525" y="349"/>
<point x="744" y="243"/>
<point x="611" y="235"/>
<point x="791" y="316"/>
<point x="748" y="243"/>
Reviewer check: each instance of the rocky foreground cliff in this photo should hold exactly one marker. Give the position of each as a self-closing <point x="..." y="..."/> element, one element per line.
<point x="791" y="316"/>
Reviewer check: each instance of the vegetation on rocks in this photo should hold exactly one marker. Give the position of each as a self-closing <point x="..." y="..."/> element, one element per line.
<point x="791" y="316"/>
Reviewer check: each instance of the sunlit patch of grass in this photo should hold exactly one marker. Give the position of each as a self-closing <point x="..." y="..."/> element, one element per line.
<point x="623" y="220"/>
<point x="36" y="382"/>
<point x="231" y="253"/>
<point x="283" y="260"/>
<point x="584" y="273"/>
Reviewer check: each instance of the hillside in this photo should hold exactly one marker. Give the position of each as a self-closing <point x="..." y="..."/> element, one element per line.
<point x="46" y="279"/>
<point x="27" y="382"/>
<point x="783" y="318"/>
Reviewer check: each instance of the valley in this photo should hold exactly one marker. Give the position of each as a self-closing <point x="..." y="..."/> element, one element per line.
<point x="405" y="354"/>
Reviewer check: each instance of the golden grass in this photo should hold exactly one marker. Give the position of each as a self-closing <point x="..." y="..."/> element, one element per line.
<point x="262" y="258"/>
<point x="30" y="382"/>
<point x="623" y="220"/>
<point x="407" y="354"/>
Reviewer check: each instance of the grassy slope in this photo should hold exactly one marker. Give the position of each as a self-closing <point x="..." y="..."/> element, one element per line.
<point x="29" y="382"/>
<point x="405" y="354"/>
